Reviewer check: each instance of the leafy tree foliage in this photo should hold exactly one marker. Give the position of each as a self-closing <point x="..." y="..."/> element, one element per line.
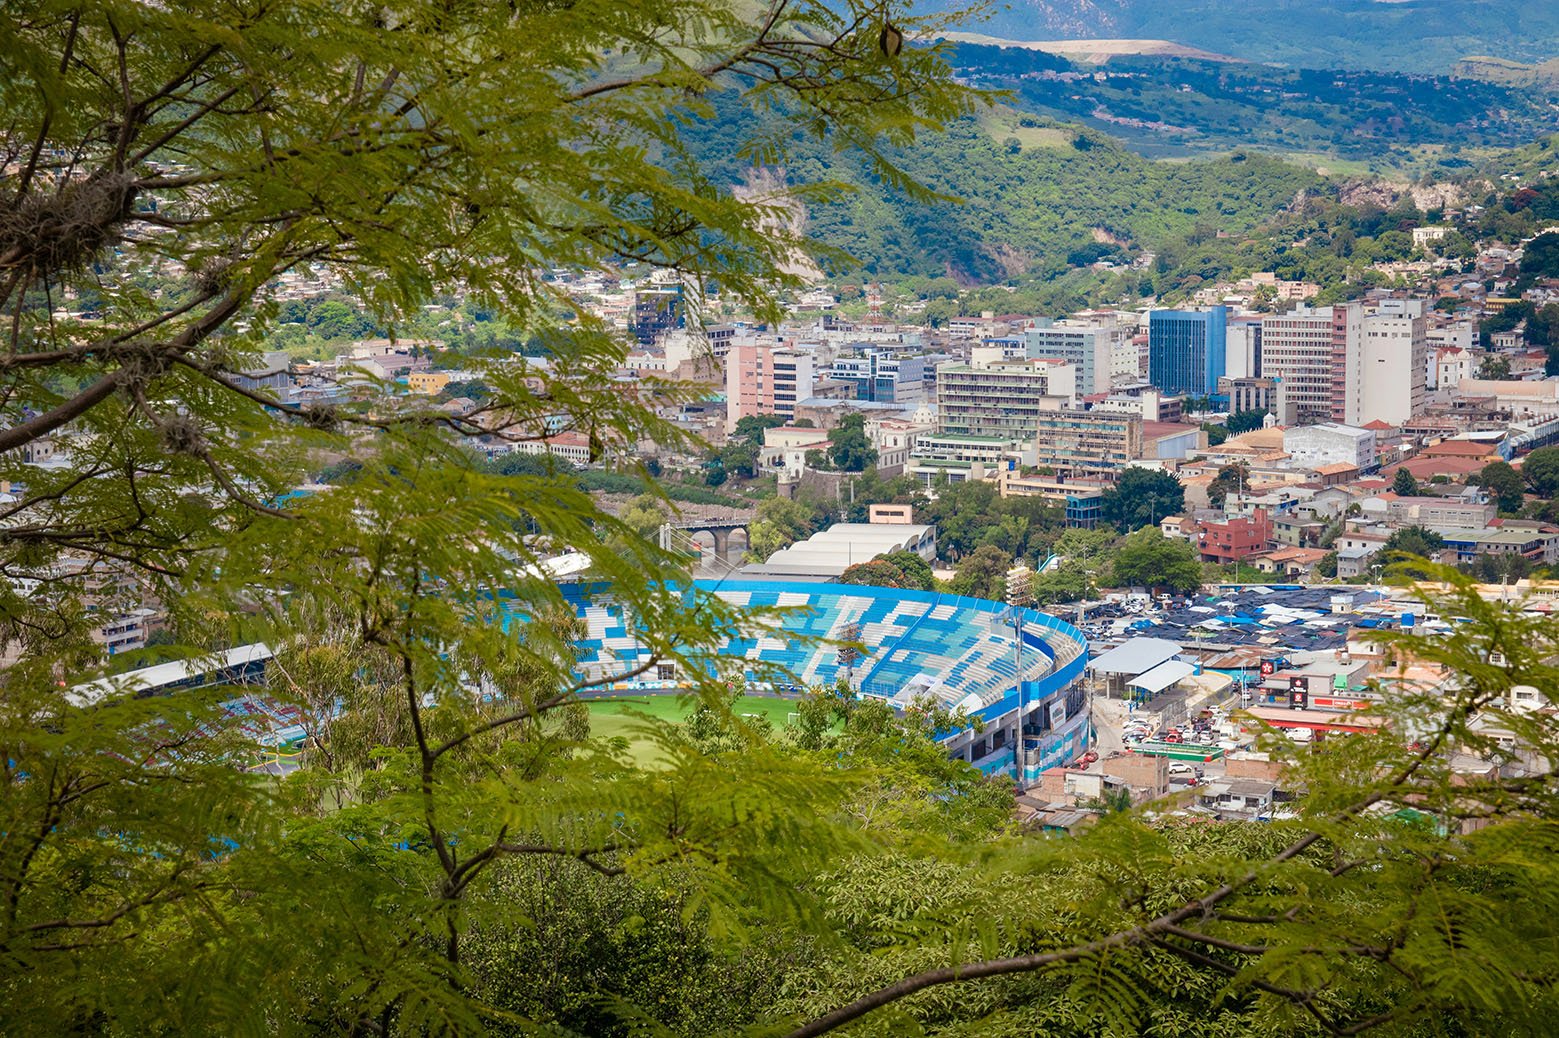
<point x="876" y="573"/>
<point x="751" y="427"/>
<point x="1494" y="368"/>
<point x="1540" y="256"/>
<point x="780" y="522"/>
<point x="1501" y="479"/>
<point x="903" y="569"/>
<point x="1414" y="540"/>
<point x="849" y="449"/>
<point x="1141" y="497"/>
<point x="1148" y="559"/>
<point x="983" y="574"/>
<point x="1404" y="485"/>
<point x="644" y="516"/>
<point x="1072" y="581"/>
<point x="1541" y="471"/>
<point x="166" y="166"/>
<point x="973" y="513"/>
<point x="916" y="569"/>
<point x="457" y="854"/>
<point x="1229" y="480"/>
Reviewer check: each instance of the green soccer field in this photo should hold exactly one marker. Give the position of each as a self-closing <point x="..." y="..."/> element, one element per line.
<point x="622" y="715"/>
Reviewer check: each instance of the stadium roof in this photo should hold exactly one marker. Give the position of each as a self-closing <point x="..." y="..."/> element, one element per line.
<point x="163" y="675"/>
<point x="832" y="551"/>
<point x="1137" y="656"/>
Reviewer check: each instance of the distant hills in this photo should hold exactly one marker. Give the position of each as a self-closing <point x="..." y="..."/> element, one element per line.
<point x="1404" y="35"/>
<point x="1542" y="75"/>
<point x="1163" y="99"/>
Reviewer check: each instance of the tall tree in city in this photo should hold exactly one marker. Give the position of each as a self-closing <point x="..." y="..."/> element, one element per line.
<point x="1414" y="540"/>
<point x="1505" y="484"/>
<point x="1148" y="559"/>
<point x="165" y="166"/>
<point x="1541" y="471"/>
<point x="1404" y="485"/>
<point x="1142" y="497"/>
<point x="848" y="446"/>
<point x="1244" y="421"/>
<point x="1229" y="480"/>
<point x="982" y="574"/>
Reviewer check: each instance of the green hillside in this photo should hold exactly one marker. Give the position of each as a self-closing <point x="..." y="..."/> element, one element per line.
<point x="1037" y="197"/>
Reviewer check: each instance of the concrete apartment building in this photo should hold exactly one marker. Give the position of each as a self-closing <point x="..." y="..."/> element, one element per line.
<point x="1186" y="350"/>
<point x="1534" y="544"/>
<point x="1253" y="393"/>
<point x="1441" y="512"/>
<point x="1088" y="443"/>
<point x="1342" y="364"/>
<point x="1242" y="348"/>
<point x="761" y="378"/>
<point x="1234" y="539"/>
<point x="1005" y="398"/>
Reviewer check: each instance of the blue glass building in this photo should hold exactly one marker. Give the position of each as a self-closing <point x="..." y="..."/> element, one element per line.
<point x="1186" y="350"/>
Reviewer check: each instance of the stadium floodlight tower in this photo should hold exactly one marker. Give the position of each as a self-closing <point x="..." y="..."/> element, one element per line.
<point x="849" y="655"/>
<point x="1020" y="591"/>
<point x="1014" y="615"/>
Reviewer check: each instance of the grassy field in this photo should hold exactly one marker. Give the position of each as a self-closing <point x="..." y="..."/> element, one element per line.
<point x="622" y="716"/>
<point x="1001" y="123"/>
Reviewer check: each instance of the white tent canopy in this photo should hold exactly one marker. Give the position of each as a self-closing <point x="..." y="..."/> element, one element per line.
<point x="1163" y="676"/>
<point x="1137" y="656"/>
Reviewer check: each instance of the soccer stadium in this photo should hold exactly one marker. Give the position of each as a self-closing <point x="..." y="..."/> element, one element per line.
<point x="979" y="656"/>
<point x="984" y="657"/>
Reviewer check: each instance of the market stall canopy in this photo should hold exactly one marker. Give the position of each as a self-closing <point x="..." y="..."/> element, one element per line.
<point x="1163" y="676"/>
<point x="1137" y="656"/>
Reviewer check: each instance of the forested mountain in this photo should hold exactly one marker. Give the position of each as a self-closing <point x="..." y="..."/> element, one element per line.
<point x="1035" y="198"/>
<point x="1410" y="35"/>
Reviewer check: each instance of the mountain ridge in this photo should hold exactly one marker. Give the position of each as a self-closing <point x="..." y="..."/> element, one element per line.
<point x="1405" y="36"/>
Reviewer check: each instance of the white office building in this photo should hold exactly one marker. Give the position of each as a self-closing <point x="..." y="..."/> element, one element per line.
<point x="1394" y="363"/>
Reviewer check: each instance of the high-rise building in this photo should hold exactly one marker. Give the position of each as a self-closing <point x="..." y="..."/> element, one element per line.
<point x="1394" y="363"/>
<point x="1186" y="350"/>
<point x="1088" y="349"/>
<point x="1001" y="397"/>
<point x="763" y="378"/>
<point x="1314" y="353"/>
<point x="656" y="311"/>
<point x="1242" y="349"/>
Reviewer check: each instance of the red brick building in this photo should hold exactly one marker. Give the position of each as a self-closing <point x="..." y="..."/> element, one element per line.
<point x="1234" y="539"/>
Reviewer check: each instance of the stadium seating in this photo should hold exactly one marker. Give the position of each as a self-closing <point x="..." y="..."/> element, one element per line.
<point x="959" y="649"/>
